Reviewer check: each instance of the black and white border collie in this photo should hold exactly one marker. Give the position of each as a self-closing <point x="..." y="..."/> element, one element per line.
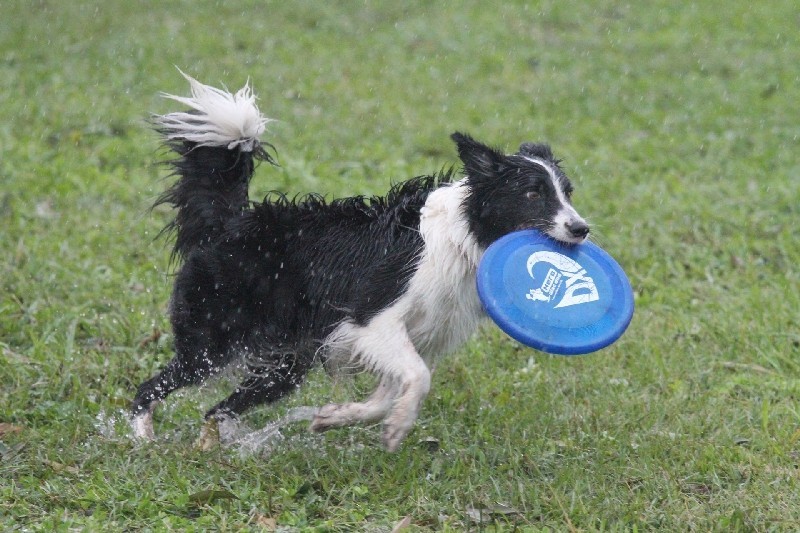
<point x="386" y="284"/>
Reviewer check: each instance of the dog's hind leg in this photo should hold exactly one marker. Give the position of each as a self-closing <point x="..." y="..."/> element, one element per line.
<point x="174" y="376"/>
<point x="194" y="362"/>
<point x="262" y="385"/>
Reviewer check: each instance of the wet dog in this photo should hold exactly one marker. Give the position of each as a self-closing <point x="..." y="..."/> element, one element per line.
<point x="383" y="283"/>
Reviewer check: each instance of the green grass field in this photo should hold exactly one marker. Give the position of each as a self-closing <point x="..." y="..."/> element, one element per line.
<point x="680" y="127"/>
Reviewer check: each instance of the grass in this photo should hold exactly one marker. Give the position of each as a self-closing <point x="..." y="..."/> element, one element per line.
<point x="679" y="126"/>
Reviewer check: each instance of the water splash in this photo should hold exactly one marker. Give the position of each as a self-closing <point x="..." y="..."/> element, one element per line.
<point x="113" y="425"/>
<point x="264" y="440"/>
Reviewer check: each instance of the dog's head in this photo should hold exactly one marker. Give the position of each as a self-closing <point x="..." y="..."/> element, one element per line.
<point x="520" y="191"/>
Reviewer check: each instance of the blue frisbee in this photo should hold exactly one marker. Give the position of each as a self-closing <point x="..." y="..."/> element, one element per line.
<point x="557" y="298"/>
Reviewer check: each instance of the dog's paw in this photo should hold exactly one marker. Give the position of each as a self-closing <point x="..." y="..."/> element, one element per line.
<point x="209" y="435"/>
<point x="327" y="417"/>
<point x="142" y="427"/>
<point x="218" y="431"/>
<point x="230" y="429"/>
<point x="394" y="434"/>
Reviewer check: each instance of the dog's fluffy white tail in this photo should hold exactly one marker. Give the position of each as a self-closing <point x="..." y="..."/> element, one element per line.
<point x="218" y="145"/>
<point x="218" y="118"/>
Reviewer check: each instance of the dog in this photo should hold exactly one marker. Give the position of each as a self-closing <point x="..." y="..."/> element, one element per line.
<point x="386" y="284"/>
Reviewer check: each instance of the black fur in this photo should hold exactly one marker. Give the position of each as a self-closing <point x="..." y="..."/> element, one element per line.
<point x="271" y="281"/>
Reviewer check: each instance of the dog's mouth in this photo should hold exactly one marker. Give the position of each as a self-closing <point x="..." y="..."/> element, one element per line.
<point x="563" y="235"/>
<point x="572" y="240"/>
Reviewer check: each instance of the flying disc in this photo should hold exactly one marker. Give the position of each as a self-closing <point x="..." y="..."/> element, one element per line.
<point x="558" y="298"/>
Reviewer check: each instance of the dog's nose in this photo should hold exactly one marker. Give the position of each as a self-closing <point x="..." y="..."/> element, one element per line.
<point x="578" y="228"/>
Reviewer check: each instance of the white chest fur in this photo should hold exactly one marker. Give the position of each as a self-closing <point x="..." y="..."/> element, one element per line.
<point x="441" y="308"/>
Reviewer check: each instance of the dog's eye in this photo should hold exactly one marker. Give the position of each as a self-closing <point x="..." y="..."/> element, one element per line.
<point x="532" y="195"/>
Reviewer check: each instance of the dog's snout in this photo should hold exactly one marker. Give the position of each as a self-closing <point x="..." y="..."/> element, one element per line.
<point x="578" y="228"/>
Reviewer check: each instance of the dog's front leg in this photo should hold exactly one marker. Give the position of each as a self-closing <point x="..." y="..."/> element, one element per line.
<point x="384" y="347"/>
<point x="375" y="408"/>
<point x="414" y="379"/>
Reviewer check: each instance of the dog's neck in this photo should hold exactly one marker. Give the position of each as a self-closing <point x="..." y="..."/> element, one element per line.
<point x="444" y="226"/>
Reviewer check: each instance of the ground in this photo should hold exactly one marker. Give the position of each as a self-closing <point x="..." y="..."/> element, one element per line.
<point x="679" y="127"/>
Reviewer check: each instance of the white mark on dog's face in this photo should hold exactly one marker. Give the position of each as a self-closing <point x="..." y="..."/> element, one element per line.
<point x="567" y="225"/>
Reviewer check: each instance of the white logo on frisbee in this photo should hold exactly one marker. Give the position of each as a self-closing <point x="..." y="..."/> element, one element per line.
<point x="580" y="288"/>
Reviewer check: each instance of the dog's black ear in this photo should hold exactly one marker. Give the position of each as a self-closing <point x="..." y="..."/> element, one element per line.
<point x="479" y="160"/>
<point x="541" y="151"/>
